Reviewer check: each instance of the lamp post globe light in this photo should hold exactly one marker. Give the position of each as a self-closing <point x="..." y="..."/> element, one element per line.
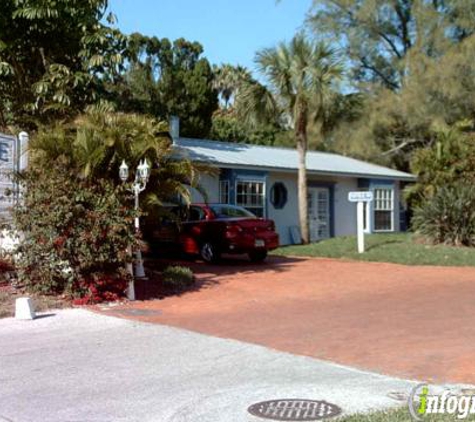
<point x="142" y="174"/>
<point x="124" y="171"/>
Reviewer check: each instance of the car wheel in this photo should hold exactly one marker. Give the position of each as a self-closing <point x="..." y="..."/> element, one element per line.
<point x="209" y="252"/>
<point x="257" y="256"/>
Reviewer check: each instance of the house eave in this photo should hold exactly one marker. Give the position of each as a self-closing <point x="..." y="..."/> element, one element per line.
<point x="408" y="178"/>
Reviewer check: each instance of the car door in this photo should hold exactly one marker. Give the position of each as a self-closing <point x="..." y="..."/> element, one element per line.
<point x="162" y="229"/>
<point x="193" y="228"/>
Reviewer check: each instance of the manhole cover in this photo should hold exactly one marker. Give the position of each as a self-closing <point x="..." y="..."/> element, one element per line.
<point x="294" y="410"/>
<point x="137" y="312"/>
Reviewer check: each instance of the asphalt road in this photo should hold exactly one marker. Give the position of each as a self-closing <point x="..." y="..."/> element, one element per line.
<point x="77" y="366"/>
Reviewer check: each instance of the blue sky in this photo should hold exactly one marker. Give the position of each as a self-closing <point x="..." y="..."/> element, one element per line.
<point x="231" y="31"/>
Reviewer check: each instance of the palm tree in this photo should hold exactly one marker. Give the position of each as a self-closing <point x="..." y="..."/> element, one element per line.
<point x="228" y="79"/>
<point x="94" y="145"/>
<point x="301" y="78"/>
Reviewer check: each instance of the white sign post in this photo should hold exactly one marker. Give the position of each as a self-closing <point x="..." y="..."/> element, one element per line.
<point x="360" y="197"/>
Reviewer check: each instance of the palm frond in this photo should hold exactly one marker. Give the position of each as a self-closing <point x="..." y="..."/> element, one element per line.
<point x="301" y="77"/>
<point x="257" y="105"/>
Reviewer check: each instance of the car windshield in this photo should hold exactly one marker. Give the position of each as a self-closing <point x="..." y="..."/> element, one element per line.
<point x="229" y="211"/>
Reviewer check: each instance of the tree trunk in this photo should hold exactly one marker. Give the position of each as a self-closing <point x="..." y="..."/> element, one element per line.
<point x="3" y="122"/>
<point x="302" y="185"/>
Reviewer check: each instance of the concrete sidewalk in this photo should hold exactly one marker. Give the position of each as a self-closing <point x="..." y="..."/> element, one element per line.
<point x="80" y="366"/>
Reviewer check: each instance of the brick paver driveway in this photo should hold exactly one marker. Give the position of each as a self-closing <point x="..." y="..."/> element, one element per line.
<point x="414" y="322"/>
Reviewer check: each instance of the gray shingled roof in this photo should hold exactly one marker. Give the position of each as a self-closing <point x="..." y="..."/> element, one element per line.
<point x="236" y="155"/>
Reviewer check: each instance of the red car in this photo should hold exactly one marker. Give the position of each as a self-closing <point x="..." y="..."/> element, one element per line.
<point x="213" y="229"/>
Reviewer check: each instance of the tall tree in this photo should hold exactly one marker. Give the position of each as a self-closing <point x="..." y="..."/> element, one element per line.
<point x="53" y="56"/>
<point x="438" y="92"/>
<point x="164" y="79"/>
<point x="229" y="126"/>
<point x="301" y="77"/>
<point x="379" y="36"/>
<point x="412" y="60"/>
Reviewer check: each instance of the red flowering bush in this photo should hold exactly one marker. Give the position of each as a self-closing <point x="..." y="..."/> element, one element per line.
<point x="100" y="288"/>
<point x="76" y="216"/>
<point x="75" y="235"/>
<point x="5" y="266"/>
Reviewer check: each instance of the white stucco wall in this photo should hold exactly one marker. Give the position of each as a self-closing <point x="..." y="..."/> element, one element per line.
<point x="345" y="211"/>
<point x="9" y="240"/>
<point x="288" y="216"/>
<point x="211" y="185"/>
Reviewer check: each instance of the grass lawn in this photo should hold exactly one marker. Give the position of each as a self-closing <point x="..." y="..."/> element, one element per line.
<point x="400" y="415"/>
<point x="400" y="248"/>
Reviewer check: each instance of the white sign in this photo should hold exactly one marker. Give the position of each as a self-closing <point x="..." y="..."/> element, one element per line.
<point x="360" y="196"/>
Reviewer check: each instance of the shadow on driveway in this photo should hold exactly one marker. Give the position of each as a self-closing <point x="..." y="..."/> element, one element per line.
<point x="207" y="276"/>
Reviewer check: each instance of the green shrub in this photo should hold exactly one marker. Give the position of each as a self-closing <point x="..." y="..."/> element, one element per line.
<point x="448" y="216"/>
<point x="75" y="233"/>
<point x="446" y="162"/>
<point x="177" y="278"/>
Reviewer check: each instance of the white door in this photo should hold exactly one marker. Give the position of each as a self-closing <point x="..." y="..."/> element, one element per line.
<point x="319" y="213"/>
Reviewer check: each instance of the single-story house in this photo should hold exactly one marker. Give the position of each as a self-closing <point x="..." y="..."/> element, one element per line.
<point x="263" y="179"/>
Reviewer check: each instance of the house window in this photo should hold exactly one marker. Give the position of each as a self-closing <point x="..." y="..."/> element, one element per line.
<point x="250" y="195"/>
<point x="278" y="195"/>
<point x="224" y="192"/>
<point x="383" y="209"/>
